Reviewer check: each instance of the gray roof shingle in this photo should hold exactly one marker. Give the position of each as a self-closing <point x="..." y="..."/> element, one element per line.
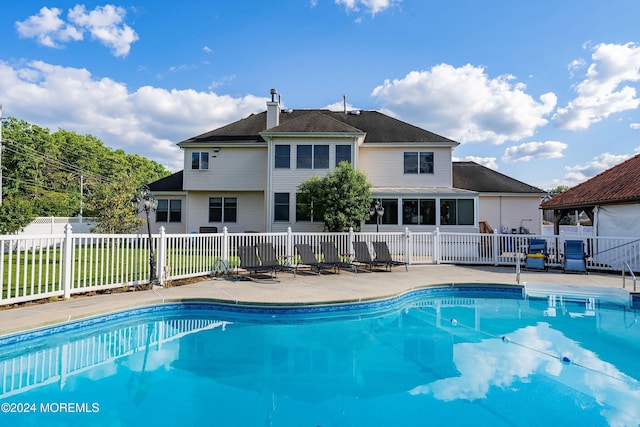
<point x="379" y="128"/>
<point x="473" y="176"/>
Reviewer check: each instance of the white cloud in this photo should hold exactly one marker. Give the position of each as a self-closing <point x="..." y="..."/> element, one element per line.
<point x="148" y="121"/>
<point x="534" y="150"/>
<point x="207" y="49"/>
<point x="48" y="29"/>
<point x="575" y="66"/>
<point x="104" y="23"/>
<point x="489" y="162"/>
<point x="602" y="92"/>
<point x="465" y="104"/>
<point x="369" y="6"/>
<point x="580" y="173"/>
<point x="634" y="125"/>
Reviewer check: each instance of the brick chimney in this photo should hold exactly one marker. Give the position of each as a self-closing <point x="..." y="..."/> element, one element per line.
<point x="273" y="110"/>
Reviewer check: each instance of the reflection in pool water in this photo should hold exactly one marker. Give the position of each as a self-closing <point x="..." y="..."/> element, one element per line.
<point x="444" y="360"/>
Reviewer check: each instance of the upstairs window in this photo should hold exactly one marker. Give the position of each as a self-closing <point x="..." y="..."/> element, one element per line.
<point x="304" y="159"/>
<point x="200" y="160"/>
<point x="282" y="156"/>
<point x="321" y="157"/>
<point x="418" y="162"/>
<point x="343" y="154"/>
<point x="312" y="157"/>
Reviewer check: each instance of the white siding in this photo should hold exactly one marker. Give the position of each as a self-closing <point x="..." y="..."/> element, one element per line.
<point x="250" y="214"/>
<point x="233" y="169"/>
<point x="506" y="213"/>
<point x="384" y="167"/>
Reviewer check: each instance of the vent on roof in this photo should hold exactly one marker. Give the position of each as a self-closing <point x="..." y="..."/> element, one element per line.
<point x="288" y="110"/>
<point x="355" y="112"/>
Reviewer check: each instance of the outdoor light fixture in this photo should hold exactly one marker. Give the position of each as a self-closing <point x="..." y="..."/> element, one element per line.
<point x="147" y="202"/>
<point x="377" y="210"/>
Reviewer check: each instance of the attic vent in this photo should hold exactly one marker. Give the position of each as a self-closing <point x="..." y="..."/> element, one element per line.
<point x="288" y="110"/>
<point x="355" y="112"/>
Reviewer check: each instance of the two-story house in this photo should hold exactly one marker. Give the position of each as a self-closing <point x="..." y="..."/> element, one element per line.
<point x="244" y="175"/>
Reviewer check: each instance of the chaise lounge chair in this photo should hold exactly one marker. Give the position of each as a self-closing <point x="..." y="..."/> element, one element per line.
<point x="249" y="261"/>
<point x="383" y="255"/>
<point x="331" y="256"/>
<point x="363" y="256"/>
<point x="268" y="258"/>
<point x="574" y="257"/>
<point x="309" y="258"/>
<point x="536" y="255"/>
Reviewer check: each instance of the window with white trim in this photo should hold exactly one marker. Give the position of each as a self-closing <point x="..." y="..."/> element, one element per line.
<point x="418" y="162"/>
<point x="457" y="212"/>
<point x="223" y="209"/>
<point x="169" y="210"/>
<point x="200" y="160"/>
<point x="281" y="207"/>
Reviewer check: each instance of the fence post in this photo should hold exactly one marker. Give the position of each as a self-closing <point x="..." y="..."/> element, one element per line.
<point x="436" y="246"/>
<point x="225" y="246"/>
<point x="289" y="248"/>
<point x="407" y="246"/>
<point x="161" y="257"/>
<point x="66" y="267"/>
<point x="496" y="246"/>
<point x="350" y="242"/>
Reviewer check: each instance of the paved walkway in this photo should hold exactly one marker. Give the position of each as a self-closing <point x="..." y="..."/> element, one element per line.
<point x="305" y="288"/>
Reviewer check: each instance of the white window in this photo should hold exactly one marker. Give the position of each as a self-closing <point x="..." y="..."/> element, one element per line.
<point x="200" y="160"/>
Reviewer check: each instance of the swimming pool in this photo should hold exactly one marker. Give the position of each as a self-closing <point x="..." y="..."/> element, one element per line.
<point x="464" y="355"/>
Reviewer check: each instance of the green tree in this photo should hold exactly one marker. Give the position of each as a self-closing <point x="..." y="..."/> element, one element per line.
<point x="47" y="169"/>
<point x="15" y="214"/>
<point x="112" y="209"/>
<point x="559" y="189"/>
<point x="341" y="199"/>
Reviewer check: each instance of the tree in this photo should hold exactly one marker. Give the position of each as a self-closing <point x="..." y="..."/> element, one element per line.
<point x="111" y="207"/>
<point x="46" y="169"/>
<point x="559" y="189"/>
<point x="341" y="199"/>
<point x="15" y="214"/>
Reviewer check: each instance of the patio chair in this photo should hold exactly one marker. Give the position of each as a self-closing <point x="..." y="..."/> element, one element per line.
<point x="268" y="258"/>
<point x="249" y="261"/>
<point x="330" y="256"/>
<point x="363" y="256"/>
<point x="536" y="255"/>
<point x="309" y="258"/>
<point x="574" y="257"/>
<point x="383" y="255"/>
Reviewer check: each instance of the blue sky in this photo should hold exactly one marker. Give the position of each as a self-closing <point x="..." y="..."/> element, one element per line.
<point x="542" y="91"/>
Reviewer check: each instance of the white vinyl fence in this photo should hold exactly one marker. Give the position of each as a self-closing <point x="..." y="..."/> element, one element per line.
<point x="60" y="265"/>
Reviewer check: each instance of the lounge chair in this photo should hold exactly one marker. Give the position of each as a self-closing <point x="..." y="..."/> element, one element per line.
<point x="363" y="256"/>
<point x="268" y="258"/>
<point x="308" y="257"/>
<point x="383" y="255"/>
<point x="249" y="260"/>
<point x="331" y="256"/>
<point x="536" y="255"/>
<point x="574" y="257"/>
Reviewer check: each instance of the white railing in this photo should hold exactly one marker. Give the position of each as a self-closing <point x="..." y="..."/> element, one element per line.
<point x="59" y="265"/>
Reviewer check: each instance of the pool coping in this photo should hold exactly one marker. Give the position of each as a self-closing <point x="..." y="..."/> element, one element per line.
<point x="287" y="290"/>
<point x="464" y="290"/>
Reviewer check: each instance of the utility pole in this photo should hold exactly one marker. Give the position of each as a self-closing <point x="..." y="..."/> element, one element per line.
<point x="81" y="185"/>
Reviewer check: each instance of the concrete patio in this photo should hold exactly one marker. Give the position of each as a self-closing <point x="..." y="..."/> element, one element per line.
<point x="304" y="288"/>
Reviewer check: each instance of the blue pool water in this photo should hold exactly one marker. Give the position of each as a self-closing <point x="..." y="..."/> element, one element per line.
<point x="449" y="357"/>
